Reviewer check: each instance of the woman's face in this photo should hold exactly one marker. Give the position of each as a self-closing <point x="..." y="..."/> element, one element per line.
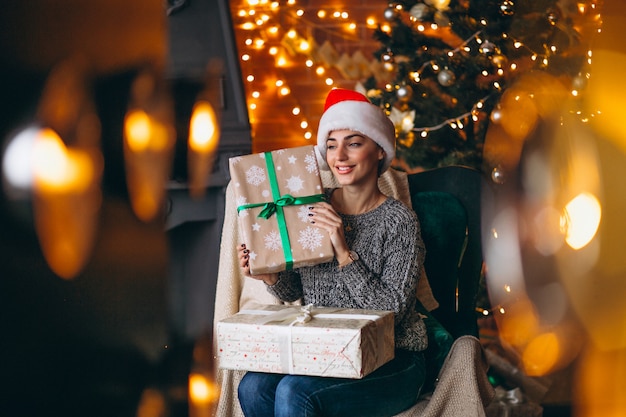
<point x="352" y="157"/>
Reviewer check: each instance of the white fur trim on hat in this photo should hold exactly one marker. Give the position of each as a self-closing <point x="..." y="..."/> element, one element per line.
<point x="349" y="110"/>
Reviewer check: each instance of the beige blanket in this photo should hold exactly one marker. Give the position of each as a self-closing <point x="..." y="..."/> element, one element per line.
<point x="235" y="292"/>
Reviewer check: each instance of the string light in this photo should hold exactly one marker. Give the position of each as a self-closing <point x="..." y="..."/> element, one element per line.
<point x="453" y="122"/>
<point x="274" y="30"/>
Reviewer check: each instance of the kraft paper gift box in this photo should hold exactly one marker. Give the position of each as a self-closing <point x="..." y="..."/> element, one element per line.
<point x="273" y="192"/>
<point x="345" y="343"/>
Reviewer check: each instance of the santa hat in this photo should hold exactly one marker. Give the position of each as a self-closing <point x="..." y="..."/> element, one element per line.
<point x="351" y="110"/>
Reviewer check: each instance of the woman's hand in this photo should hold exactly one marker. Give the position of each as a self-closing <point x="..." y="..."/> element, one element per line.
<point x="244" y="262"/>
<point x="325" y="216"/>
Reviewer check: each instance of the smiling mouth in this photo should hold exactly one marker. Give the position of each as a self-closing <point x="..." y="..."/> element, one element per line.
<point x="343" y="169"/>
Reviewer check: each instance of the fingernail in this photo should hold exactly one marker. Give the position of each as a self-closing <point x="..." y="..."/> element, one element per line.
<point x="243" y="245"/>
<point x="310" y="207"/>
<point x="313" y="221"/>
<point x="246" y="251"/>
<point x="310" y="214"/>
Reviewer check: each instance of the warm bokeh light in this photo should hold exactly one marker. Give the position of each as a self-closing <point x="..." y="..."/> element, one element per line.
<point x="441" y="4"/>
<point x="143" y="133"/>
<point x="138" y="130"/>
<point x="203" y="128"/>
<point x="67" y="199"/>
<point x="57" y="168"/>
<point x="541" y="355"/>
<point x="304" y="46"/>
<point x="204" y="136"/>
<point x="518" y="113"/>
<point x="602" y="383"/>
<point x="202" y="391"/>
<point x="520" y="324"/>
<point x="148" y="152"/>
<point x="581" y="219"/>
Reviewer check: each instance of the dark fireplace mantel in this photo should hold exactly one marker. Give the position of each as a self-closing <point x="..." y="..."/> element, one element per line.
<point x="199" y="32"/>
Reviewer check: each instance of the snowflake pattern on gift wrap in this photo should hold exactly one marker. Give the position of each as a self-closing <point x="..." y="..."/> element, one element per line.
<point x="240" y="201"/>
<point x="303" y="214"/>
<point x="311" y="163"/>
<point x="292" y="159"/>
<point x="255" y="175"/>
<point x="273" y="241"/>
<point x="256" y="227"/>
<point x="295" y="184"/>
<point x="310" y="238"/>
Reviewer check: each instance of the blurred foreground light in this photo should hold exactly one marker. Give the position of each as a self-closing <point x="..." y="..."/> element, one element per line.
<point x="204" y="136"/>
<point x="520" y="324"/>
<point x="138" y="130"/>
<point x="57" y="168"/>
<point x="149" y="138"/>
<point x="203" y="128"/>
<point x="541" y="354"/>
<point x="502" y="255"/>
<point x="601" y="383"/>
<point x="67" y="199"/>
<point x="144" y="133"/>
<point x="152" y="404"/>
<point x="203" y="395"/>
<point x="581" y="219"/>
<point x="17" y="163"/>
<point x="202" y="390"/>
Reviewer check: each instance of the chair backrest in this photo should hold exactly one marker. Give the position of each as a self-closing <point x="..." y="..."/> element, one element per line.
<point x="447" y="203"/>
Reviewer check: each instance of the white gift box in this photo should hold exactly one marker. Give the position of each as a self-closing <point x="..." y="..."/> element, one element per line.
<point x="318" y="341"/>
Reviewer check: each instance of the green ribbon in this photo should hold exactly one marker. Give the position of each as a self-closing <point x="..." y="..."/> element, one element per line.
<point x="271" y="207"/>
<point x="276" y="207"/>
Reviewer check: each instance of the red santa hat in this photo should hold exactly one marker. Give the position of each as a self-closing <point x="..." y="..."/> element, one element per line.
<point x="351" y="110"/>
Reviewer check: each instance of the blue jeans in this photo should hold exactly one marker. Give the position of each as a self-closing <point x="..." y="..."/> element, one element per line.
<point x="389" y="390"/>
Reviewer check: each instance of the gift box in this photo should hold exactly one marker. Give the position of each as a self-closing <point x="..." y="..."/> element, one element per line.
<point x="273" y="192"/>
<point x="319" y="341"/>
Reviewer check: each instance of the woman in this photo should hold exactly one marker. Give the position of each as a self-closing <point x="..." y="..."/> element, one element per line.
<point x="378" y="258"/>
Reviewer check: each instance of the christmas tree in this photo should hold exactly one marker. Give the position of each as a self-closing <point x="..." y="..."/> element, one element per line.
<point x="449" y="62"/>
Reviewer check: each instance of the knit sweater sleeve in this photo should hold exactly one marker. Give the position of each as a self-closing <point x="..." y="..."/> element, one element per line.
<point x="385" y="277"/>
<point x="288" y="287"/>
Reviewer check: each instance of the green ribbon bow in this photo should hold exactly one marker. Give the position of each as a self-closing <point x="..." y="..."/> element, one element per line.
<point x="276" y="207"/>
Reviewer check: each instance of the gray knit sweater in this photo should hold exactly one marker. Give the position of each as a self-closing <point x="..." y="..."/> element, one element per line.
<point x="391" y="253"/>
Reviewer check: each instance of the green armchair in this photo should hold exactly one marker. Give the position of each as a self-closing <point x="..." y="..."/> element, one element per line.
<point x="447" y="203"/>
